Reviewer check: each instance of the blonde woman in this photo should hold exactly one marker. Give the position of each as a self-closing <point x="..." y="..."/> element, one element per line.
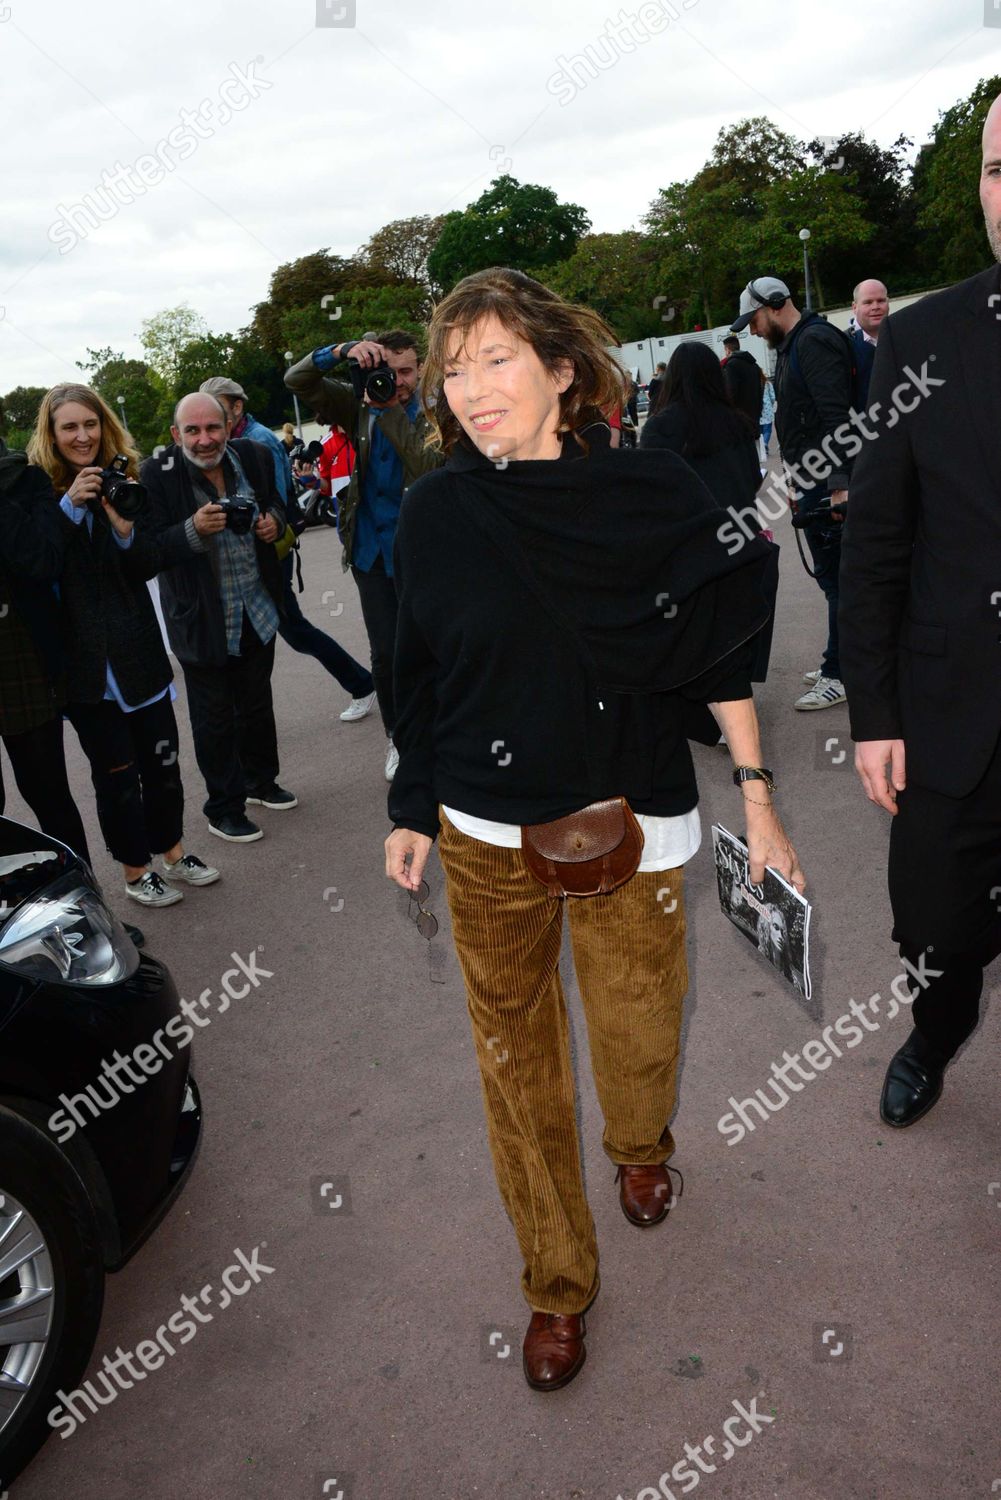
<point x="118" y="676"/>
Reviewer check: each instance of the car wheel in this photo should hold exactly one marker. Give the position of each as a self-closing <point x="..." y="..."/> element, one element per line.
<point x="51" y="1286"/>
<point x="325" y="510"/>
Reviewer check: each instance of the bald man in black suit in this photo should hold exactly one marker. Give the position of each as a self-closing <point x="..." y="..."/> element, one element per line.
<point x="920" y="622"/>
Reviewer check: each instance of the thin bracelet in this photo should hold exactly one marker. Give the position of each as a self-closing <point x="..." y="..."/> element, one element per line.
<point x="757" y="803"/>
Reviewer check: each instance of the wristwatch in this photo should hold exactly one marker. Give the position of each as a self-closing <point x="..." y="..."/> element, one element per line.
<point x="753" y="773"/>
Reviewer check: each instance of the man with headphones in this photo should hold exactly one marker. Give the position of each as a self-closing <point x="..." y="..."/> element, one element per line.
<point x="813" y="395"/>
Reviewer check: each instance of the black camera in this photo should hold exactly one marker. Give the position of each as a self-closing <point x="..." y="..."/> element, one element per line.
<point x="378" y="384"/>
<point x="127" y="497"/>
<point x="817" y="516"/>
<point x="239" y="515"/>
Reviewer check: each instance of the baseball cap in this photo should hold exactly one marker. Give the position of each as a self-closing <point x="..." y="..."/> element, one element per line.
<point x="221" y="385"/>
<point x="764" y="287"/>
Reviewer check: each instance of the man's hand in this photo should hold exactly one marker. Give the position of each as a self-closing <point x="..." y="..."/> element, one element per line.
<point x="85" y="487"/>
<point x="369" y="354"/>
<point x="123" y="527"/>
<point x="401" y="842"/>
<point x="871" y="758"/>
<point x="266" y="528"/>
<point x="767" y="844"/>
<point x="838" y="497"/>
<point x="209" y="518"/>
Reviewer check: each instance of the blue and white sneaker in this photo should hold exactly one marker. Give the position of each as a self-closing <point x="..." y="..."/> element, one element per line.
<point x="825" y="693"/>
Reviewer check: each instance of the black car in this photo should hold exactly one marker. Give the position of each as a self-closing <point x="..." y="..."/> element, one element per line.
<point x="93" y="1150"/>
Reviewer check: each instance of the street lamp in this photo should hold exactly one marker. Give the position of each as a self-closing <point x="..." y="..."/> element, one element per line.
<point x="125" y="420"/>
<point x="804" y="235"/>
<point x="298" y="419"/>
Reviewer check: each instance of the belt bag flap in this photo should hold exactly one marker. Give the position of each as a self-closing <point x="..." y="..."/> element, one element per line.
<point x="596" y="830"/>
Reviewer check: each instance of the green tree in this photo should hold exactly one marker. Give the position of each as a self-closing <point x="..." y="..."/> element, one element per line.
<point x="512" y="224"/>
<point x="400" y="250"/>
<point x="147" y="406"/>
<point x="740" y="216"/>
<point x="752" y="154"/>
<point x="21" y="408"/>
<point x="953" y="241"/>
<point x="165" y="335"/>
<point x="880" y="187"/>
<point x="365" y="310"/>
<point x="211" y="354"/>
<point x="318" y="281"/>
<point x="619" y="275"/>
<point x="826" y="203"/>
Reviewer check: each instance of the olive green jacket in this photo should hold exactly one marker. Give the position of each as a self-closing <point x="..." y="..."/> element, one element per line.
<point x="335" y="402"/>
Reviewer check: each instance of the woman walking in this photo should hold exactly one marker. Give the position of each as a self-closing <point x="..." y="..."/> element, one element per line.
<point x="562" y="607"/>
<point x="118" y="677"/>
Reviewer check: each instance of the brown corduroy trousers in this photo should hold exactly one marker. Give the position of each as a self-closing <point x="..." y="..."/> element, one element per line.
<point x="629" y="954"/>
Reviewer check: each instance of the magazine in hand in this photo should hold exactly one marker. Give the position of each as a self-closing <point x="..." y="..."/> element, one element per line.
<point x="773" y="915"/>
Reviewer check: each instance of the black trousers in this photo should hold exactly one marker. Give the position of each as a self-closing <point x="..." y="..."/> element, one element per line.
<point x="296" y="631"/>
<point x="137" y="779"/>
<point x="945" y="888"/>
<point x="39" y="765"/>
<point x="233" y="724"/>
<point x="379" y="608"/>
<point x="824" y="543"/>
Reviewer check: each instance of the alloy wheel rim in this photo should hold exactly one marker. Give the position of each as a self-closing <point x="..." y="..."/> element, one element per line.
<point x="27" y="1304"/>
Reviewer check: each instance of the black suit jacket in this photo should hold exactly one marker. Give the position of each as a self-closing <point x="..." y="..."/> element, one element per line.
<point x="189" y="580"/>
<point x="920" y="614"/>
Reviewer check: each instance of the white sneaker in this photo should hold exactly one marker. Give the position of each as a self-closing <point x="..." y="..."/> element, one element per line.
<point x="811" y="677"/>
<point x="392" y="760"/>
<point x="190" y="869"/>
<point x="357" y="709"/>
<point x="150" y="890"/>
<point x="825" y="693"/>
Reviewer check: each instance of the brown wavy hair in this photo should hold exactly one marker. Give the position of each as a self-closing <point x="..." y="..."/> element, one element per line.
<point x="42" y="448"/>
<point x="557" y="330"/>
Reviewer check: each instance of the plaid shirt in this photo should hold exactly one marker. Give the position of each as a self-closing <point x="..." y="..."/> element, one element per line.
<point x="241" y="588"/>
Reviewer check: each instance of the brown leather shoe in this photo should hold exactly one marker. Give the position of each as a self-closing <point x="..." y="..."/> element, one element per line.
<point x="553" y="1351"/>
<point x="645" y="1192"/>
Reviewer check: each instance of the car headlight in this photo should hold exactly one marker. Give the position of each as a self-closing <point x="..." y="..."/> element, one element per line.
<point x="66" y="935"/>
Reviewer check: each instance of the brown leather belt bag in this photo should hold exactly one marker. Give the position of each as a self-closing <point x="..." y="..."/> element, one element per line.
<point x="588" y="853"/>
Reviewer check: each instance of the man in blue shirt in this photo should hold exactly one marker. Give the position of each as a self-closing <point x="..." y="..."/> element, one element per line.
<point x="388" y="438"/>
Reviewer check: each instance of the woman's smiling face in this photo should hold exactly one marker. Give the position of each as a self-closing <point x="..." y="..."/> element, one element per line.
<point x="76" y="431"/>
<point x="502" y="395"/>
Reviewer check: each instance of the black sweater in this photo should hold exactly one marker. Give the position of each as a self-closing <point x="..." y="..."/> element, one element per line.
<point x="730" y="472"/>
<point x="32" y="551"/>
<point x="108" y="615"/>
<point x="503" y="714"/>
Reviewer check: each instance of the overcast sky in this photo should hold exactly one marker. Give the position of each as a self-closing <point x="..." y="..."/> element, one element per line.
<point x="247" y="135"/>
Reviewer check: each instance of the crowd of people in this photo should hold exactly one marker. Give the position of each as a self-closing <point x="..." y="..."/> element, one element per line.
<point x="550" y="623"/>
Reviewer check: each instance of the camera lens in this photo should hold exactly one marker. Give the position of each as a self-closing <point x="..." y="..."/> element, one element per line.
<point x="381" y="384"/>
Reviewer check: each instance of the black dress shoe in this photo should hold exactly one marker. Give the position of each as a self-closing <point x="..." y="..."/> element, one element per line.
<point x="136" y="934"/>
<point x="913" y="1082"/>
